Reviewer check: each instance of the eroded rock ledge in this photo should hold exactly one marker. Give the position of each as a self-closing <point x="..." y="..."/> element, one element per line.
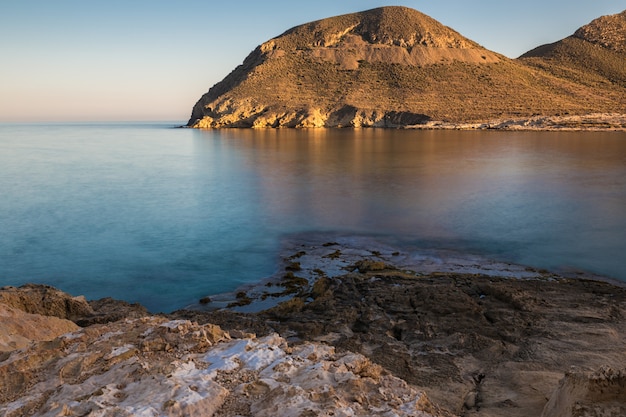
<point x="154" y="366"/>
<point x="347" y="327"/>
<point x="480" y="337"/>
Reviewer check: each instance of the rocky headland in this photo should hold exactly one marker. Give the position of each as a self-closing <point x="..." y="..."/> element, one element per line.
<point x="396" y="67"/>
<point x="348" y="326"/>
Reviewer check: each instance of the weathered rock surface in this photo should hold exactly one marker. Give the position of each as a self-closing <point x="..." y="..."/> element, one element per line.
<point x="108" y="309"/>
<point x="48" y="301"/>
<point x="18" y="329"/>
<point x="589" y="122"/>
<point x="480" y="338"/>
<point x="391" y="67"/>
<point x="589" y="394"/>
<point x="158" y="367"/>
<point x="357" y="328"/>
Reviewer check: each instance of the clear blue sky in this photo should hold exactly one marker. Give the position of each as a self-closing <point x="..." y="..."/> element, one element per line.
<point x="82" y="60"/>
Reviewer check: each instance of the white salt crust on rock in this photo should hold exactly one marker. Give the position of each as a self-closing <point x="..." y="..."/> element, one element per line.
<point x="154" y="367"/>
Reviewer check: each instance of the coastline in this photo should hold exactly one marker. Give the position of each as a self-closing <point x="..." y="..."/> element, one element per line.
<point x="435" y="332"/>
<point x="592" y="122"/>
<point x="480" y="337"/>
<point x="565" y="123"/>
<point x="308" y="257"/>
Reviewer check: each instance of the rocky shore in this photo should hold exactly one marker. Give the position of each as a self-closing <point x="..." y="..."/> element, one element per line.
<point x="593" y="122"/>
<point x="348" y="326"/>
<point x="577" y="123"/>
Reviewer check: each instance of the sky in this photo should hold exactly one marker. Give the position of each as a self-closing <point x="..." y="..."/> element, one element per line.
<point x="150" y="60"/>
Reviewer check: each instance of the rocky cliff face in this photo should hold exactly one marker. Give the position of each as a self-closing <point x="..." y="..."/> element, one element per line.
<point x="18" y="328"/>
<point x="385" y="67"/>
<point x="43" y="300"/>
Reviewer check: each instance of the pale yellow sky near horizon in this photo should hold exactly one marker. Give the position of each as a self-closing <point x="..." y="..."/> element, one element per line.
<point x="119" y="60"/>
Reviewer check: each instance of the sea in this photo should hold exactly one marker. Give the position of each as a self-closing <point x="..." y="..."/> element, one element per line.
<point x="162" y="215"/>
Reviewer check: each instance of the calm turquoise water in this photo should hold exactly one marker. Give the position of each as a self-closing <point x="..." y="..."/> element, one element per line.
<point x="164" y="216"/>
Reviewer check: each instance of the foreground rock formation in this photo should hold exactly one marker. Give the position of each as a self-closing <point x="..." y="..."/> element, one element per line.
<point x="48" y="301"/>
<point x="393" y="67"/>
<point x="348" y="327"/>
<point x="18" y="329"/>
<point x="153" y="366"/>
<point x="481" y="338"/>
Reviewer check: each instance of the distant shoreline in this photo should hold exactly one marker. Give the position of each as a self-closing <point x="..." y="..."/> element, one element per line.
<point x="594" y="122"/>
<point x="569" y="123"/>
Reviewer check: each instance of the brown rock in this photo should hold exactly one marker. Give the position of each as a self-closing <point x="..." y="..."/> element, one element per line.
<point x="18" y="328"/>
<point x="586" y="394"/>
<point x="155" y="366"/>
<point x="479" y="345"/>
<point x="46" y="301"/>
<point x="49" y="301"/>
<point x="108" y="309"/>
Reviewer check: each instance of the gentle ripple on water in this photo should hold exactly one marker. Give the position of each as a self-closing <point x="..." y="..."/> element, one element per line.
<point x="164" y="216"/>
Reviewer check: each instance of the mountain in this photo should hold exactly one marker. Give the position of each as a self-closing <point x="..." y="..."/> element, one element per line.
<point x="594" y="55"/>
<point x="390" y="66"/>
